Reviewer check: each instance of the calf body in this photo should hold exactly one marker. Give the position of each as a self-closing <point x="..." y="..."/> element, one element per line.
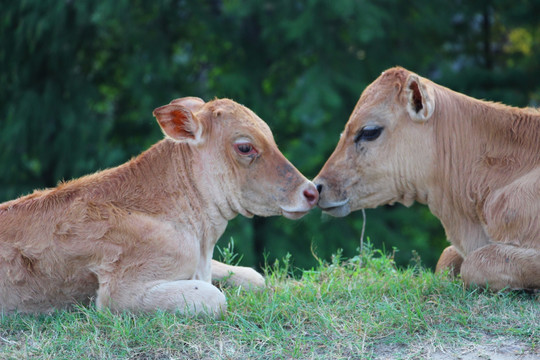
<point x="141" y="236"/>
<point x="476" y="165"/>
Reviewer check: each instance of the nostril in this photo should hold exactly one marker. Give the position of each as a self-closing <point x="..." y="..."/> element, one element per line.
<point x="319" y="188"/>
<point x="311" y="196"/>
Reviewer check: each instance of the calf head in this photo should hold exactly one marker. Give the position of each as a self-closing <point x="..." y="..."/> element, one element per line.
<point x="236" y="159"/>
<point x="385" y="153"/>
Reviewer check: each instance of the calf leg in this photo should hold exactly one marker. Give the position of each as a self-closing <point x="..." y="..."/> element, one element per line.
<point x="237" y="275"/>
<point x="450" y="260"/>
<point x="498" y="266"/>
<point x="184" y="296"/>
<point x="512" y="213"/>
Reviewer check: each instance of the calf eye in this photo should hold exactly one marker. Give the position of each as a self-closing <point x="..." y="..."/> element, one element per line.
<point x="245" y="149"/>
<point x="368" y="133"/>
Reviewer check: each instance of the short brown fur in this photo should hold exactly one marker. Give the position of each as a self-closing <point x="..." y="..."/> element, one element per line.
<point x="476" y="164"/>
<point x="140" y="236"/>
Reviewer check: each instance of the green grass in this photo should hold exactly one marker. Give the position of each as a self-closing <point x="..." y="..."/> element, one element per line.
<point x="359" y="308"/>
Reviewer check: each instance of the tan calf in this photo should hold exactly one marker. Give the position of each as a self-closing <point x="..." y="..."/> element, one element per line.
<point x="476" y="164"/>
<point x="141" y="236"/>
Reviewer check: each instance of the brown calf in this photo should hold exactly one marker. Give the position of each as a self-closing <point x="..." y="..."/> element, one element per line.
<point x="141" y="236"/>
<point x="476" y="164"/>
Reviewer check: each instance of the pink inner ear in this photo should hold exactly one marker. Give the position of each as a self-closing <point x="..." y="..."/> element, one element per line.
<point x="417" y="96"/>
<point x="177" y="122"/>
<point x="181" y="124"/>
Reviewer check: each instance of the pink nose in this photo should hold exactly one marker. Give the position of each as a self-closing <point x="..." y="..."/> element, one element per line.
<point x="312" y="195"/>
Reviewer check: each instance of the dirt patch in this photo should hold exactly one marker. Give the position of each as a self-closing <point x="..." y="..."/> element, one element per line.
<point x="488" y="348"/>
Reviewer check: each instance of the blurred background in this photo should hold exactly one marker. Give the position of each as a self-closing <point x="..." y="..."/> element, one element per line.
<point x="79" y="81"/>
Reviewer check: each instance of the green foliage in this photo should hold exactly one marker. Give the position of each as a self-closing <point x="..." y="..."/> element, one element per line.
<point x="79" y="80"/>
<point x="228" y="255"/>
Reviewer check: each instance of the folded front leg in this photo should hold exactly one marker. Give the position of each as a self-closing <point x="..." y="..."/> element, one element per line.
<point x="237" y="275"/>
<point x="188" y="297"/>
<point x="499" y="266"/>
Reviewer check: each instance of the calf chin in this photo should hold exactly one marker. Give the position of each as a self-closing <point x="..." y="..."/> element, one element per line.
<point x="338" y="211"/>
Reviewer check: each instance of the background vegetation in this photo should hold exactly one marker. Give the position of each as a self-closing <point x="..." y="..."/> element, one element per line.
<point x="79" y="81"/>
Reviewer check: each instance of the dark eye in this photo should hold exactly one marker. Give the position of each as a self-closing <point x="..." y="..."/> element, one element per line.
<point x="368" y="133"/>
<point x="245" y="149"/>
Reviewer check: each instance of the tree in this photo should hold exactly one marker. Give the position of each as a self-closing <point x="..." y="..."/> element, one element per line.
<point x="80" y="81"/>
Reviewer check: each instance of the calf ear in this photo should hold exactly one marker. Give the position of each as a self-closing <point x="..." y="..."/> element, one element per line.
<point x="179" y="123"/>
<point x="194" y="104"/>
<point x="420" y="99"/>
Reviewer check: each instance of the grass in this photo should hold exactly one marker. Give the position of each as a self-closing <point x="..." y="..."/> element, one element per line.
<point x="359" y="308"/>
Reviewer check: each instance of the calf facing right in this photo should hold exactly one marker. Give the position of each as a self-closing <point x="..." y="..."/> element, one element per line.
<point x="140" y="236"/>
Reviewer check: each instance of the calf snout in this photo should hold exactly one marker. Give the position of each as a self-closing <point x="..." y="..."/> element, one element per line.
<point x="333" y="200"/>
<point x="311" y="194"/>
<point x="305" y="198"/>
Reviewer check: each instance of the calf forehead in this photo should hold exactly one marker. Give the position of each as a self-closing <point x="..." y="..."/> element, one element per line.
<point x="238" y="117"/>
<point x="380" y="96"/>
<point x="249" y="118"/>
<point x="389" y="81"/>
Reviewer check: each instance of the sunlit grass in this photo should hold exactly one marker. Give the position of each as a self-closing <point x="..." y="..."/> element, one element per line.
<point x="362" y="307"/>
